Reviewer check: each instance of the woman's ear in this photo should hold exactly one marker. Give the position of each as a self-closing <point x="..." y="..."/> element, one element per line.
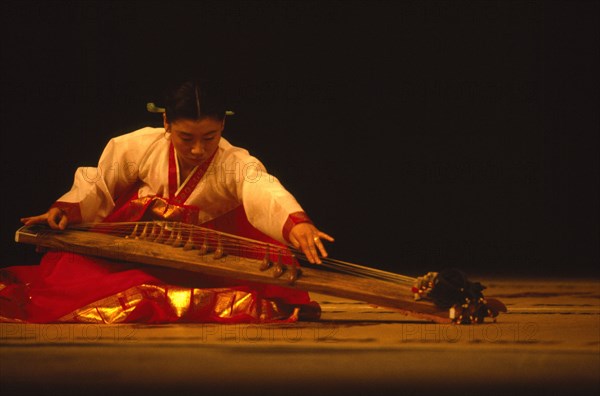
<point x="166" y="123"/>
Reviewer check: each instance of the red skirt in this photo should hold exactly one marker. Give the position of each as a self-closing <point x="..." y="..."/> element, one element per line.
<point x="68" y="287"/>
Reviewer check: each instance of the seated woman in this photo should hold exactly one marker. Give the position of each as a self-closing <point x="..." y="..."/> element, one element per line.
<point x="185" y="172"/>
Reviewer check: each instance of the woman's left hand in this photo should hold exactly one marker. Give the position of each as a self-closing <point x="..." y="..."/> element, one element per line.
<point x="306" y="237"/>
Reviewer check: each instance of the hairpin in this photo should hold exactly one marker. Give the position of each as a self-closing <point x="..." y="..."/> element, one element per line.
<point x="152" y="108"/>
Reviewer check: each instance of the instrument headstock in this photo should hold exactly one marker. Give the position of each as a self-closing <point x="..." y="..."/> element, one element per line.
<point x="452" y="290"/>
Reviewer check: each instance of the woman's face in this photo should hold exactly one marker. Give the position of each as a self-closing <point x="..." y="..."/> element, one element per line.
<point x="195" y="140"/>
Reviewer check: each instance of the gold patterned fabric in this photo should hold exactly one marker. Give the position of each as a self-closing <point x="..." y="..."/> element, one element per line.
<point x="165" y="303"/>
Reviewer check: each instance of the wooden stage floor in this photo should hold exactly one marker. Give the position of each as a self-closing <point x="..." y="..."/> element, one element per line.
<point x="547" y="344"/>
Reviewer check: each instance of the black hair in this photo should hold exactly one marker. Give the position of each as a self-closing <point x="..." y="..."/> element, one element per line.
<point x="195" y="100"/>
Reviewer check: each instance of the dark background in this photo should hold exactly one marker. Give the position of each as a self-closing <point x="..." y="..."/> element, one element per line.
<point x="421" y="135"/>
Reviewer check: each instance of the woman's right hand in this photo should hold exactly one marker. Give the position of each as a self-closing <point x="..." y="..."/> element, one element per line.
<point x="55" y="217"/>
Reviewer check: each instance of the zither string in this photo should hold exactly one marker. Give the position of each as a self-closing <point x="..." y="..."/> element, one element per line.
<point x="230" y="243"/>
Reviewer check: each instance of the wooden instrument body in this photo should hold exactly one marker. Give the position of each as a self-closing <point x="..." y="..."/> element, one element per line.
<point x="311" y="279"/>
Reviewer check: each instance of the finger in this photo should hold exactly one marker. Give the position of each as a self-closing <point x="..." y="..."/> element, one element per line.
<point x="63" y="222"/>
<point x="312" y="247"/>
<point x="33" y="219"/>
<point x="326" y="236"/>
<point x="52" y="221"/>
<point x="304" y="246"/>
<point x="320" y="246"/>
<point x="295" y="242"/>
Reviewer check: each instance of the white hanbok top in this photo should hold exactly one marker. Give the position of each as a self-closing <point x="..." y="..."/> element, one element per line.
<point x="144" y="160"/>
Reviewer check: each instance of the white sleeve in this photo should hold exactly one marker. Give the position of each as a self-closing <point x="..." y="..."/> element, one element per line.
<point x="268" y="204"/>
<point x="95" y="189"/>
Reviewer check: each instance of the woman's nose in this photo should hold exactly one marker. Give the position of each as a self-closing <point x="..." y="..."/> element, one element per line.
<point x="197" y="148"/>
